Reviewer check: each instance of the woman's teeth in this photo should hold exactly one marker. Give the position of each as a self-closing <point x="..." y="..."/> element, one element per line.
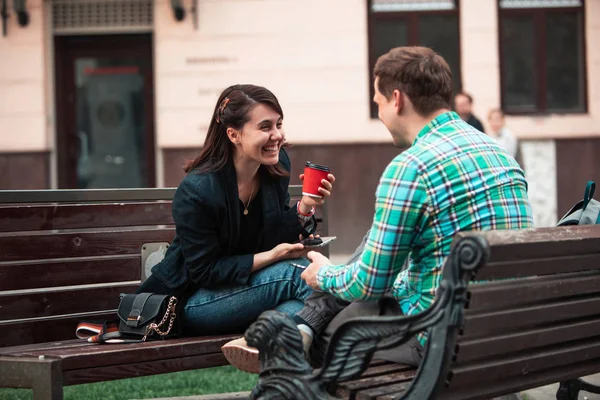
<point x="270" y="149"/>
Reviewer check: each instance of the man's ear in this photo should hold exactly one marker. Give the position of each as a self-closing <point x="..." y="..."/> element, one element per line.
<point x="233" y="135"/>
<point x="398" y="100"/>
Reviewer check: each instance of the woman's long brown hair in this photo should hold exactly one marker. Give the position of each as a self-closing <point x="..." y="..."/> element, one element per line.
<point x="234" y="113"/>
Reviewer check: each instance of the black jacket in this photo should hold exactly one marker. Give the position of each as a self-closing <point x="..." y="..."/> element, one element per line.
<point x="207" y="223"/>
<point x="475" y="123"/>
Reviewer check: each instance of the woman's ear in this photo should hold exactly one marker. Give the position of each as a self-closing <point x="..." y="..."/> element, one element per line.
<point x="233" y="135"/>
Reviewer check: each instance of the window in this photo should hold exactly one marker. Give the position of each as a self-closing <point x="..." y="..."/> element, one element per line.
<point x="429" y="23"/>
<point x="542" y="57"/>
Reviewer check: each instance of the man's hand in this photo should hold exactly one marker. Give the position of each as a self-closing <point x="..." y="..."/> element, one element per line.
<point x="310" y="273"/>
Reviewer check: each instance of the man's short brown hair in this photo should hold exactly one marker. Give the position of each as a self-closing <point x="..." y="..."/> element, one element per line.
<point x="419" y="72"/>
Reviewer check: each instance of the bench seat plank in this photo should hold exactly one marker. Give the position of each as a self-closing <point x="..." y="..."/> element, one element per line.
<point x="28" y="349"/>
<point x="399" y="376"/>
<point x="90" y="355"/>
<point x="137" y="369"/>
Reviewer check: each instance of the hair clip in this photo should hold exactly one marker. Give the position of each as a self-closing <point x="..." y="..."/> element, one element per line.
<point x="222" y="108"/>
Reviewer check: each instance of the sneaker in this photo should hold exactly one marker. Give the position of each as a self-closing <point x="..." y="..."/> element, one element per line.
<point x="242" y="356"/>
<point x="245" y="358"/>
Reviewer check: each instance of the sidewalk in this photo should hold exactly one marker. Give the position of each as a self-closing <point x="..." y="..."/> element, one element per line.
<point x="549" y="392"/>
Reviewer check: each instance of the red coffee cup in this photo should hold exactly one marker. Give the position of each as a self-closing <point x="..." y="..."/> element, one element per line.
<point x="313" y="174"/>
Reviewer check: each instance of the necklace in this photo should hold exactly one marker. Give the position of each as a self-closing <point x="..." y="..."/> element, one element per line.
<point x="248" y="202"/>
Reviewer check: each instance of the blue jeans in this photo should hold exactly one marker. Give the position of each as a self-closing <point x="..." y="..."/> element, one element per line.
<point x="231" y="309"/>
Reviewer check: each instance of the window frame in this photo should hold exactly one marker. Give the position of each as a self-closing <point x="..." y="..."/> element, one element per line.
<point x="412" y="21"/>
<point x="540" y="61"/>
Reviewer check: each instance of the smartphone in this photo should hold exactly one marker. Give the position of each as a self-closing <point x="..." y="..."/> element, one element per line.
<point x="312" y="243"/>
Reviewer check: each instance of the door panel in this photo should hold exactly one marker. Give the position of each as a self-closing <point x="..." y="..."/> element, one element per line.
<point x="105" y="115"/>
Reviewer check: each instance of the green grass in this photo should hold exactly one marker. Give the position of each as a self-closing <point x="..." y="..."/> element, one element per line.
<point x="187" y="383"/>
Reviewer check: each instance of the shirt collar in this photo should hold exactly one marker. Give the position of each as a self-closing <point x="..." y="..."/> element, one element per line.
<point x="436" y="123"/>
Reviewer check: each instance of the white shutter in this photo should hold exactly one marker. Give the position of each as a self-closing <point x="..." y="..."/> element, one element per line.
<point x="539" y="3"/>
<point x="97" y="16"/>
<point x="412" y="5"/>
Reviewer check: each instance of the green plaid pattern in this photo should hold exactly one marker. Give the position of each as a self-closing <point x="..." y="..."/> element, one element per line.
<point x="453" y="178"/>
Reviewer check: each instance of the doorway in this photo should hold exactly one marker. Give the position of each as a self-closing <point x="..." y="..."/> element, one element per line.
<point x="105" y="111"/>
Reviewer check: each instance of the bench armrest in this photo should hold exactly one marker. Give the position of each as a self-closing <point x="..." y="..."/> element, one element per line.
<point x="285" y="374"/>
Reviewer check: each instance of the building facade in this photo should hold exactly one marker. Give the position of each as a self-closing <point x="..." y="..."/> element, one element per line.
<point x="118" y="93"/>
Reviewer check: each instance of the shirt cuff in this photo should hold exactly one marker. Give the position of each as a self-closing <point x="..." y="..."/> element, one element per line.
<point x="322" y="275"/>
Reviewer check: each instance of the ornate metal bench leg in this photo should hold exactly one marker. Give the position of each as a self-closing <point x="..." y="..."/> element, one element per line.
<point x="568" y="390"/>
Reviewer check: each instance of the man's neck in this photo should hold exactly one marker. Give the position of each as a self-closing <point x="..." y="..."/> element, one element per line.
<point x="420" y="122"/>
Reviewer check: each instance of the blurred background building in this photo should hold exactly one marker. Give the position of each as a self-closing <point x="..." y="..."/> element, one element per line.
<point x="118" y="93"/>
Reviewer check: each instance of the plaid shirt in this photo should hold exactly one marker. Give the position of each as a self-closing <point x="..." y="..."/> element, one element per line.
<point x="453" y="178"/>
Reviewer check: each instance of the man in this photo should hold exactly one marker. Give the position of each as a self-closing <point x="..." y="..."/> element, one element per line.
<point x="452" y="178"/>
<point x="463" y="105"/>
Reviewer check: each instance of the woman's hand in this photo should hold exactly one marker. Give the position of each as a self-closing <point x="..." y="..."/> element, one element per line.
<point x="307" y="202"/>
<point x="285" y="251"/>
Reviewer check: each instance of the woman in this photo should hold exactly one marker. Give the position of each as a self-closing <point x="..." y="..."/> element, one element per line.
<point x="235" y="231"/>
<point x="500" y="133"/>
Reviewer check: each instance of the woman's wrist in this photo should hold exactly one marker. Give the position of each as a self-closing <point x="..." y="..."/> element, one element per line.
<point x="263" y="259"/>
<point x="304" y="210"/>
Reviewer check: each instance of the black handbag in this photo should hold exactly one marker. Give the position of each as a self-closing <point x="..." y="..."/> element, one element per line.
<point x="146" y="316"/>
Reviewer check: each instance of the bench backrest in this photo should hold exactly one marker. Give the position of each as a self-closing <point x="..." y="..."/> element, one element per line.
<point x="533" y="313"/>
<point x="66" y="255"/>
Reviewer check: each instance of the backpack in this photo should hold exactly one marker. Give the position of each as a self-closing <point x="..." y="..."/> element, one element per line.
<point x="585" y="212"/>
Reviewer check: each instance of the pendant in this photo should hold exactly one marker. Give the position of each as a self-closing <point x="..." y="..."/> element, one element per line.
<point x="246" y="212"/>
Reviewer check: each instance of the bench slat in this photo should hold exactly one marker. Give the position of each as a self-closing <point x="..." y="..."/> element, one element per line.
<point x="62" y="301"/>
<point x="498" y="295"/>
<point x="403" y="374"/>
<point x="79" y="244"/>
<point x="133" y="370"/>
<point x="393" y="389"/>
<point x="540" y="266"/>
<point x="527" y="362"/>
<point x="497" y="321"/>
<point x="485" y="391"/>
<point x="29" y="349"/>
<point x="73" y="216"/>
<point x="469" y="350"/>
<point x="77" y="271"/>
<point x="48" y="329"/>
<point x="93" y="355"/>
<point x="515" y="245"/>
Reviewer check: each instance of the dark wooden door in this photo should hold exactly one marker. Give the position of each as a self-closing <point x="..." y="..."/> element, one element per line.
<point x="105" y="111"/>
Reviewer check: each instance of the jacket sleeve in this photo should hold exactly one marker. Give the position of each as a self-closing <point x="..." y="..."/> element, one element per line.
<point x="291" y="227"/>
<point x="197" y="226"/>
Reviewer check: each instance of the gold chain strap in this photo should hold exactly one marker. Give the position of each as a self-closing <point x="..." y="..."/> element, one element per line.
<point x="156" y="327"/>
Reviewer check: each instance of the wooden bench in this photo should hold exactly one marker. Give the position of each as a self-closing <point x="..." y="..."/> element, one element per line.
<point x="531" y="319"/>
<point x="66" y="255"/>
